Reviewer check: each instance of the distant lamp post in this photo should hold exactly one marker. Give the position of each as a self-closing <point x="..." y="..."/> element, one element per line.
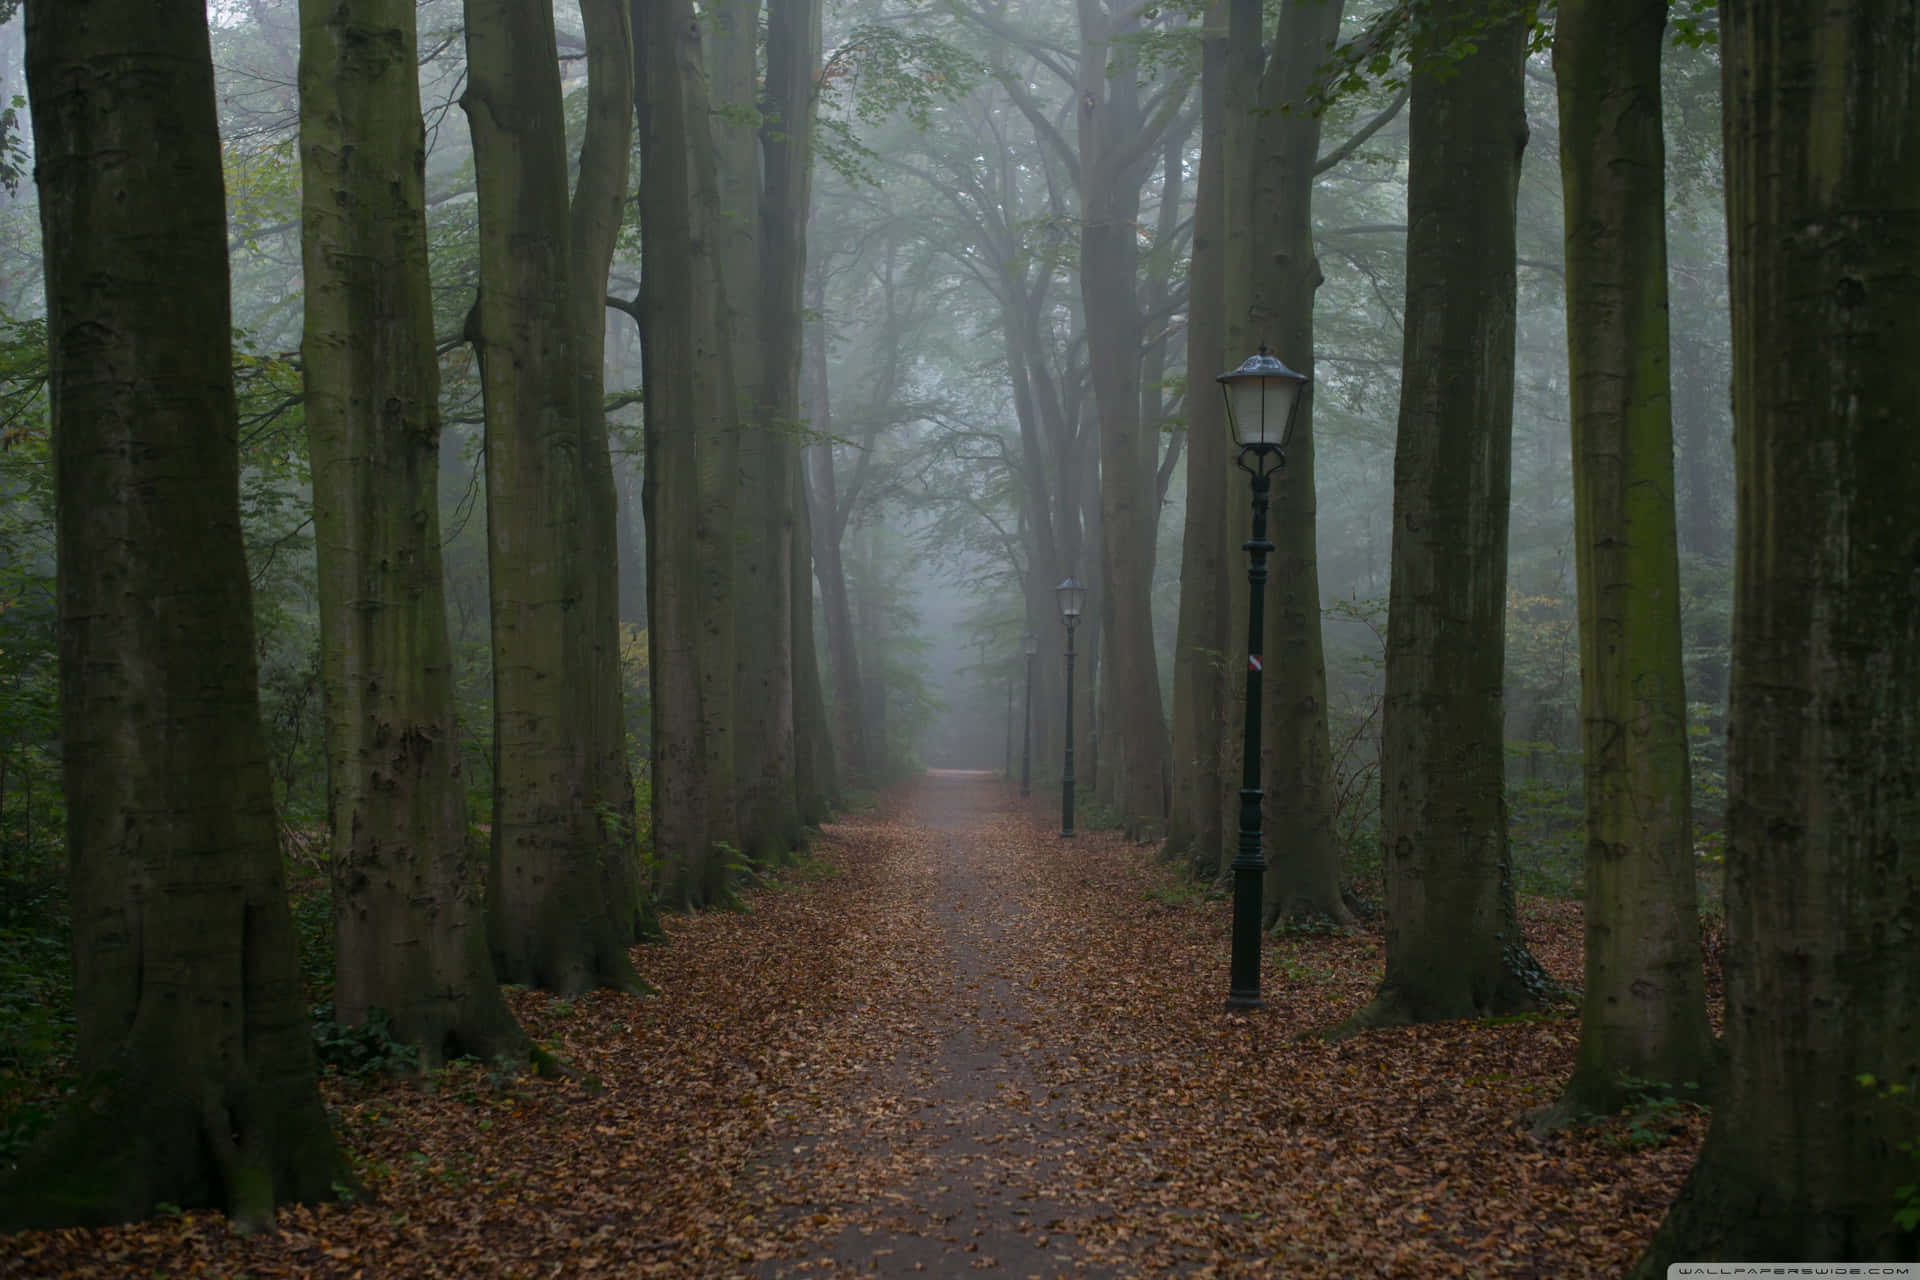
<point x="1029" y="646"/>
<point x="1263" y="400"/>
<point x="1073" y="598"/>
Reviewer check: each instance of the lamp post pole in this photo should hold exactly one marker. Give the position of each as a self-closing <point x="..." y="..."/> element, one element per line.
<point x="1249" y="863"/>
<point x="1009" y="728"/>
<point x="1066" y="772"/>
<point x="1032" y="646"/>
<point x="1263" y="399"/>
<point x="1073" y="597"/>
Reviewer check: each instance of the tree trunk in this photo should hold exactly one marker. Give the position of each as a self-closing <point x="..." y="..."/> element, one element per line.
<point x="816" y="782"/>
<point x="1643" y="1022"/>
<point x="1303" y="871"/>
<point x="1810" y="1155"/>
<point x="598" y="210"/>
<point x="1454" y="948"/>
<point x="767" y="821"/>
<point x="1113" y="151"/>
<point x="409" y="923"/>
<point x="1196" y="832"/>
<point x="827" y="523"/>
<point x="690" y="477"/>
<point x="793" y="60"/>
<point x="563" y="898"/>
<point x="192" y="1042"/>
<point x="766" y="693"/>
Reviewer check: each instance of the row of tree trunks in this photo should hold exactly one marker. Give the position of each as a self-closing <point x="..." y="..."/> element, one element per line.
<point x="409" y="928"/>
<point x="1116" y="143"/>
<point x="1261" y="172"/>
<point x="564" y="902"/>
<point x="688" y="422"/>
<point x="724" y="207"/>
<point x="1810" y="1154"/>
<point x="786" y="132"/>
<point x="827" y="516"/>
<point x="1197" y="834"/>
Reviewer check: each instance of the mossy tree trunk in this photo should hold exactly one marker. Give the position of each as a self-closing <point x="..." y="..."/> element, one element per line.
<point x="409" y="921"/>
<point x="1454" y="948"/>
<point x="1807" y="1159"/>
<point x="193" y="1045"/>
<point x="564" y="902"/>
<point x="1643" y="1024"/>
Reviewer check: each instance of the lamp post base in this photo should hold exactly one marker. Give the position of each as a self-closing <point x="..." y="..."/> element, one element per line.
<point x="1241" y="1003"/>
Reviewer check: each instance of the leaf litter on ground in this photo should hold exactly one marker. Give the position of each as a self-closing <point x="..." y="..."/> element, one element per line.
<point x="968" y="1045"/>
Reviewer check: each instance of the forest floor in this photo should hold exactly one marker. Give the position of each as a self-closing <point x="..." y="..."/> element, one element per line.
<point x="951" y="1041"/>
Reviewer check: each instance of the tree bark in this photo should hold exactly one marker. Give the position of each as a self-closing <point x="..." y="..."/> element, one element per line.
<point x="1115" y="140"/>
<point x="827" y="523"/>
<point x="691" y="475"/>
<point x="1643" y="1022"/>
<point x="1454" y="948"/>
<point x="564" y="901"/>
<point x="766" y="820"/>
<point x="409" y="923"/>
<point x="1196" y="828"/>
<point x="192" y="1042"/>
<point x="1804" y="1160"/>
<point x="1303" y="872"/>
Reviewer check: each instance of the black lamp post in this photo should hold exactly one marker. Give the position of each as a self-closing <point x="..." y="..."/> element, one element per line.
<point x="1073" y="597"/>
<point x="1263" y="399"/>
<point x="1030" y="646"/>
<point x="1009" y="773"/>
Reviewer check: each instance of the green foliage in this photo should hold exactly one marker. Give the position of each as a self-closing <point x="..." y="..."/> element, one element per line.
<point x="1696" y="23"/>
<point x="1179" y="892"/>
<point x="365" y="1052"/>
<point x="13" y="153"/>
<point x="36" y="1004"/>
<point x="1653" y="1114"/>
<point x="881" y="70"/>
<point x="1906" y="1197"/>
<point x="1408" y="34"/>
<point x="312" y="903"/>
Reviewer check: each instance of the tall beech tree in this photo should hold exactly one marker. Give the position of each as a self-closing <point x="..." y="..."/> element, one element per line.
<point x="1269" y="160"/>
<point x="1643" y="1022"/>
<point x="1453" y="942"/>
<point x="786" y="141"/>
<point x="725" y="189"/>
<point x="193" y="1048"/>
<point x="564" y="901"/>
<point x="1198" y="834"/>
<point x="1274" y="274"/>
<point x="1120" y="124"/>
<point x="1809" y="1156"/>
<point x="409" y="929"/>
<point x="692" y="449"/>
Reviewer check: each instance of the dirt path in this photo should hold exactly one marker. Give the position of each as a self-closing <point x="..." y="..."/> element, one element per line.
<point x="953" y="1141"/>
<point x="951" y="1041"/>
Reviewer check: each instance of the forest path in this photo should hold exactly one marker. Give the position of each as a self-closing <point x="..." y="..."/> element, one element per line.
<point x="955" y="1148"/>
<point x="949" y="1041"/>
